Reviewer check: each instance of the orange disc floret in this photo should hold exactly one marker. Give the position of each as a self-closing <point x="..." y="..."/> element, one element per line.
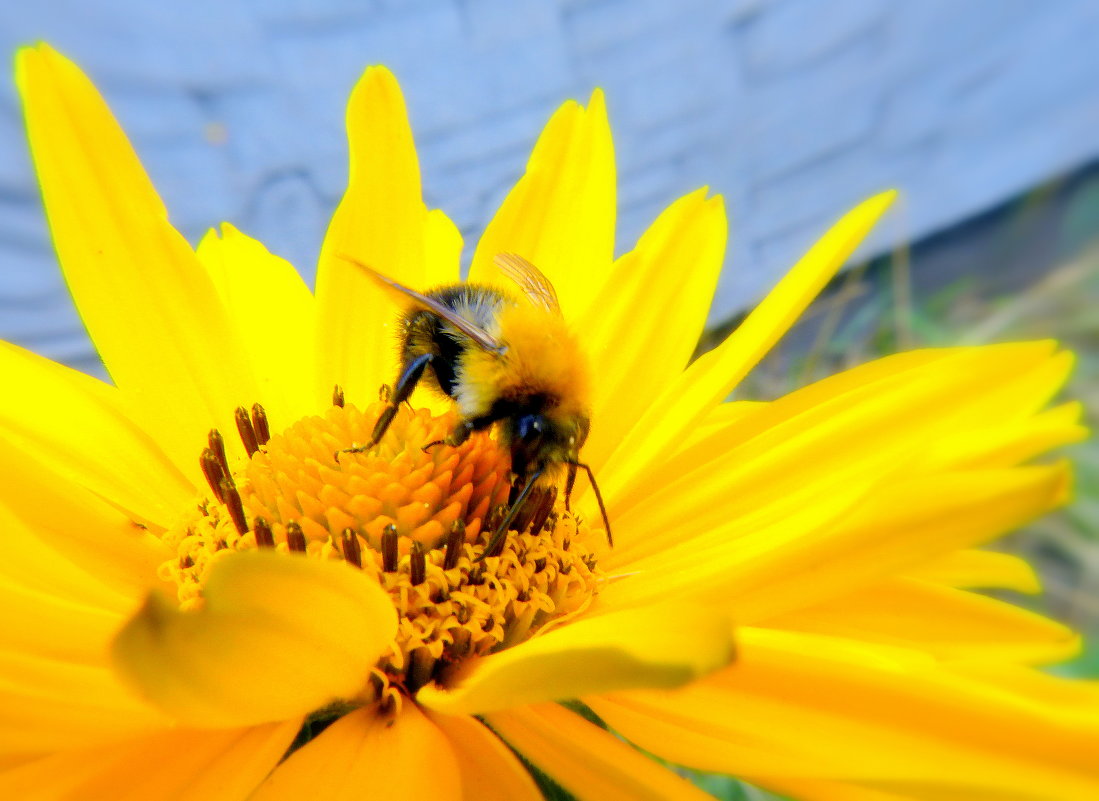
<point x="414" y="514"/>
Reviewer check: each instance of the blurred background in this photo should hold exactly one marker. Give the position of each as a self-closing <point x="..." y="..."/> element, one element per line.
<point x="985" y="113"/>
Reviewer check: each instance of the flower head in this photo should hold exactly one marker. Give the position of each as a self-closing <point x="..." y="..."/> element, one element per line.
<point x="219" y="585"/>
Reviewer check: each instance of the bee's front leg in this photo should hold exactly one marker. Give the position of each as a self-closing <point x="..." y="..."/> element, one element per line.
<point x="410" y="377"/>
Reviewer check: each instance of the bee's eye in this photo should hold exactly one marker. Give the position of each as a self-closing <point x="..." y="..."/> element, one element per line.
<point x="530" y="427"/>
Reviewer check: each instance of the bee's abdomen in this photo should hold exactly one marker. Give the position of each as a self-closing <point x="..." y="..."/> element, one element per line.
<point x="426" y="332"/>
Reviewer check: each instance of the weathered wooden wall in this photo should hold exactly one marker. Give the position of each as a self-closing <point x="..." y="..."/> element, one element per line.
<point x="793" y="109"/>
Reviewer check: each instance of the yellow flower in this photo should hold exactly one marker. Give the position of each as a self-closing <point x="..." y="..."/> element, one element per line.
<point x="161" y="640"/>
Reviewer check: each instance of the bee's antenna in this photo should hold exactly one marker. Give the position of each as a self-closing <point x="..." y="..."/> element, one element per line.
<point x="598" y="498"/>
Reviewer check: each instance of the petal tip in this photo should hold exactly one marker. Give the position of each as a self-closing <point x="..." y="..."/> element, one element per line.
<point x="378" y="79"/>
<point x="597" y="102"/>
<point x="882" y="201"/>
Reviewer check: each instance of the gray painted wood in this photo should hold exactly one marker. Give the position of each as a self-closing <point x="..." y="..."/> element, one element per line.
<point x="794" y="109"/>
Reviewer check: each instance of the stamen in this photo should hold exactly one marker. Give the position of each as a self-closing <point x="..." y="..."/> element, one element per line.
<point x="217" y="445"/>
<point x="389" y="706"/>
<point x="494" y="518"/>
<point x="352" y="551"/>
<point x="417" y="568"/>
<point x="454" y="542"/>
<point x="525" y="513"/>
<point x="542" y="512"/>
<point x="265" y="538"/>
<point x="377" y="683"/>
<point x="233" y="504"/>
<point x="337" y="396"/>
<point x="295" y="537"/>
<point x="389" y="549"/>
<point x="247" y="433"/>
<point x="421" y="664"/>
<point x="259" y="424"/>
<point x="462" y="639"/>
<point x="211" y="468"/>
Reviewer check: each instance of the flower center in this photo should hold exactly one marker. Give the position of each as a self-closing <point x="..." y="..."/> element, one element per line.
<point x="417" y="521"/>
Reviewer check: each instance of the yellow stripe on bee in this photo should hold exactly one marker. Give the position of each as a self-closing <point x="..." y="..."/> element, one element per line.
<point x="542" y="357"/>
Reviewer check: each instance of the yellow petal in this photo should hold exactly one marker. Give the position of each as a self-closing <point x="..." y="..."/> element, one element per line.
<point x="723" y="416"/>
<point x="443" y="250"/>
<point x="279" y="636"/>
<point x="366" y="755"/>
<point x="53" y="609"/>
<point x="149" y="306"/>
<point x="47" y="625"/>
<point x="589" y="762"/>
<point x="1071" y="699"/>
<point x="973" y="569"/>
<point x="864" y="425"/>
<point x="660" y="646"/>
<point x="800" y="706"/>
<point x="793" y="562"/>
<point x="685" y="402"/>
<point x="271" y="309"/>
<point x="182" y="765"/>
<point x="1009" y="443"/>
<point x="56" y="690"/>
<point x="81" y="429"/>
<point x="942" y="621"/>
<point x="642" y="328"/>
<point x="489" y="770"/>
<point x="816" y="790"/>
<point x="77" y="525"/>
<point x="561" y="213"/>
<point x="383" y="223"/>
<point x="30" y="564"/>
<point x="49" y="704"/>
<point x="896" y="529"/>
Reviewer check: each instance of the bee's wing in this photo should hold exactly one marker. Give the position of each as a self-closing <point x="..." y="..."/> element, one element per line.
<point x="479" y="335"/>
<point x="530" y="279"/>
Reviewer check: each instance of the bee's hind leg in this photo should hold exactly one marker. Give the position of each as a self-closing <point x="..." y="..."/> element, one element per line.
<point x="410" y="377"/>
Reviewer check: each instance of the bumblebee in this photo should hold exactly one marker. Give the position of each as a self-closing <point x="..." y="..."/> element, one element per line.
<point x="506" y="359"/>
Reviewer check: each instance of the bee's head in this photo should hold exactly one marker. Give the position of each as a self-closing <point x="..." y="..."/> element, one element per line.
<point x="539" y="439"/>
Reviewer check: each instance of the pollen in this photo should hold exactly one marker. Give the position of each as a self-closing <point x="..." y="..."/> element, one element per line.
<point x="413" y="514"/>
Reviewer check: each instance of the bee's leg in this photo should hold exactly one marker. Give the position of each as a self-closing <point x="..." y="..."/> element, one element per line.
<point x="502" y="529"/>
<point x="410" y="377"/>
<point x="570" y="482"/>
<point x="456" y="437"/>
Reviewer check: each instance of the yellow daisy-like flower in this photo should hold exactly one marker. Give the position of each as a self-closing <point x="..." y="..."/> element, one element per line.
<point x="204" y="600"/>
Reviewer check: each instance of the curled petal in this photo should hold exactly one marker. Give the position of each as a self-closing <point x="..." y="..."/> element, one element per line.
<point x="278" y="637"/>
<point x="658" y="646"/>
